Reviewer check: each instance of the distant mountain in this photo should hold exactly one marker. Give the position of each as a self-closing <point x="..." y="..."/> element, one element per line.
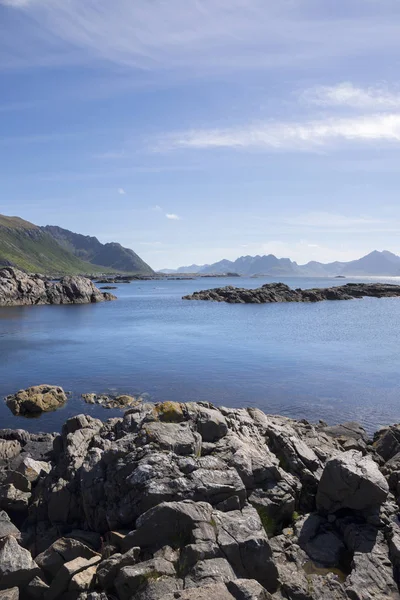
<point x="376" y="263"/>
<point x="111" y="255"/>
<point x="27" y="247"/>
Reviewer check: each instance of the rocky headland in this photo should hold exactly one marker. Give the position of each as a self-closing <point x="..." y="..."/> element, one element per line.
<point x="192" y="502"/>
<point x="280" y="292"/>
<point x="21" y="289"/>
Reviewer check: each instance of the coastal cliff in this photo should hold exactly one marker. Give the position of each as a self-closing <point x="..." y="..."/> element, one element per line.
<point x="280" y="292"/>
<point x="189" y="501"/>
<point x="20" y="289"/>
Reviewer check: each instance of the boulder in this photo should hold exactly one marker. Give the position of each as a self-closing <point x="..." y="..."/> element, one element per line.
<point x="7" y="527"/>
<point x="132" y="580"/>
<point x="63" y="551"/>
<point x="108" y="569"/>
<point x="211" y="424"/>
<point x="216" y="591"/>
<point x="32" y="469"/>
<point x="177" y="437"/>
<point x="67" y="572"/>
<point x="351" y="481"/>
<point x="17" y="567"/>
<point x="36" y="399"/>
<point x="169" y="523"/>
<point x="9" y="449"/>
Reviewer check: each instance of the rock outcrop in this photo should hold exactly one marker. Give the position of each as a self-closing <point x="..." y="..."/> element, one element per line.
<point x="20" y="289"/>
<point x="280" y="292"/>
<point x="36" y="400"/>
<point x="187" y="501"/>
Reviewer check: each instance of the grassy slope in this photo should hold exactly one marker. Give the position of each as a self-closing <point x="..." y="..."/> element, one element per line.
<point x="25" y="246"/>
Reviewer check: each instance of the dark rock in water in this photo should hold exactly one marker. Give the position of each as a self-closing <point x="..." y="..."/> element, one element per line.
<point x="280" y="292"/>
<point x="20" y="289"/>
<point x="189" y="501"/>
<point x="109" y="287"/>
<point x="123" y="401"/>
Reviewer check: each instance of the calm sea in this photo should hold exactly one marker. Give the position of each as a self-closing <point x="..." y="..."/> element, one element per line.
<point x="335" y="361"/>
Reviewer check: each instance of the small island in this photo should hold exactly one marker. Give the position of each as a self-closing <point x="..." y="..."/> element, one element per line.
<point x="280" y="292"/>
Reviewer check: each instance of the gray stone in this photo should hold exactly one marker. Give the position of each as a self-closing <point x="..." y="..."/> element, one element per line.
<point x="243" y="541"/>
<point x="108" y="569"/>
<point x="7" y="527"/>
<point x="19" y="481"/>
<point x="248" y="589"/>
<point x="351" y="481"/>
<point x="9" y="449"/>
<point x="67" y="572"/>
<point x="33" y="469"/>
<point x="133" y="579"/>
<point x="211" y="424"/>
<point x="177" y="437"/>
<point x="207" y="572"/>
<point x="17" y="568"/>
<point x="63" y="551"/>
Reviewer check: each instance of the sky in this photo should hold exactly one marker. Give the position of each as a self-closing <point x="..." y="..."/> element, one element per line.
<point x="197" y="130"/>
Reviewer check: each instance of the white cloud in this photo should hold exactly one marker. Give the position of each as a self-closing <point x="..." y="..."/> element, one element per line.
<point x="173" y="217"/>
<point x="156" y="208"/>
<point x="207" y="34"/>
<point x="348" y="95"/>
<point x="121" y="191"/>
<point x="286" y="135"/>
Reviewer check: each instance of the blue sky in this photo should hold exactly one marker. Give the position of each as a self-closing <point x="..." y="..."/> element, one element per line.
<point x="196" y="130"/>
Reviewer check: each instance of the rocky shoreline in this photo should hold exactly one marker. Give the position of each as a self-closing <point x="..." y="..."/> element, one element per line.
<point x="189" y="501"/>
<point x="20" y="289"/>
<point x="280" y="292"/>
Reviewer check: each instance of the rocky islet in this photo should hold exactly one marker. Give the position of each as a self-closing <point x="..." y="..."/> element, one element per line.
<point x="280" y="292"/>
<point x="187" y="501"/>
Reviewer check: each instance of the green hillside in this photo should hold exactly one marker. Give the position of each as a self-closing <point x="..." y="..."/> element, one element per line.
<point x="27" y="247"/>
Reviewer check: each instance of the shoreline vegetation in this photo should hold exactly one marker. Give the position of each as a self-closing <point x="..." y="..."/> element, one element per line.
<point x="187" y="501"/>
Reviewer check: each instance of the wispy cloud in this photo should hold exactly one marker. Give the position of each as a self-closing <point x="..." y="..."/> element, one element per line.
<point x="173" y="217"/>
<point x="121" y="191"/>
<point x="287" y="135"/>
<point x="348" y="95"/>
<point x="209" y="34"/>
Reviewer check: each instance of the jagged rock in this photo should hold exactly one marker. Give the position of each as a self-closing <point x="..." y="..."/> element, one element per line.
<point x="178" y="438"/>
<point x="33" y="469"/>
<point x="211" y="424"/>
<point x="84" y="580"/>
<point x="168" y="523"/>
<point x="63" y="551"/>
<point x="211" y="571"/>
<point x="66" y="573"/>
<point x="108" y="569"/>
<point x="9" y="449"/>
<point x="11" y="594"/>
<point x="13" y="499"/>
<point x="244" y="543"/>
<point x="123" y="401"/>
<point x="132" y="580"/>
<point x="7" y="527"/>
<point x="20" y="289"/>
<point x="319" y="540"/>
<point x="36" y="589"/>
<point x="247" y="589"/>
<point x="351" y="481"/>
<point x="387" y="442"/>
<point x="37" y="399"/>
<point x="216" y="591"/>
<point x="17" y="568"/>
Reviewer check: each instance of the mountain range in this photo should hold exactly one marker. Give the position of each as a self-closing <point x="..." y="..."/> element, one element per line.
<point x="52" y="250"/>
<point x="376" y="263"/>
